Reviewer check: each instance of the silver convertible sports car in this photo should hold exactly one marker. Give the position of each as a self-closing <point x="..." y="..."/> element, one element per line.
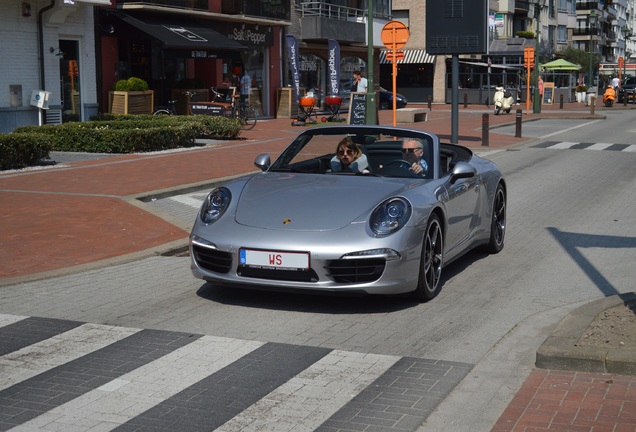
<point x="379" y="227"/>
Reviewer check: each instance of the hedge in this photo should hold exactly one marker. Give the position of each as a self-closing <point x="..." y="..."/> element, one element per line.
<point x="112" y="134"/>
<point x="23" y="150"/>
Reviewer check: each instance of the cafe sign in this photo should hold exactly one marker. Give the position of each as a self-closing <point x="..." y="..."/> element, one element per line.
<point x="251" y="35"/>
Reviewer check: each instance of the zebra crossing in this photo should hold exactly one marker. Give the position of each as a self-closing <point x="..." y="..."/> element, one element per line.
<point x="59" y="375"/>
<point x="566" y="145"/>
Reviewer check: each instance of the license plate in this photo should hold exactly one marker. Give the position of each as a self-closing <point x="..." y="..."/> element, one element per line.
<point x="274" y="259"/>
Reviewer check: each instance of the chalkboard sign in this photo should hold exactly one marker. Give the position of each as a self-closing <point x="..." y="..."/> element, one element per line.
<point x="358" y="109"/>
<point x="548" y="93"/>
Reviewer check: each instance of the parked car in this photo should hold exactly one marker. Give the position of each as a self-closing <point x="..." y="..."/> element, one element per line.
<point x="386" y="99"/>
<point x="627" y="88"/>
<point x="298" y="226"/>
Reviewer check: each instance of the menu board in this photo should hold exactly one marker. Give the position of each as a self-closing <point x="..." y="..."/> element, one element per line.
<point x="548" y="93"/>
<point x="358" y="109"/>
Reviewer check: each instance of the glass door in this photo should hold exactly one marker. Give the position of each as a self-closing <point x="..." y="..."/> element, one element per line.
<point x="70" y="89"/>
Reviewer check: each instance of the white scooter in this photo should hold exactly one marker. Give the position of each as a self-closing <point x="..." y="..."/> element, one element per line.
<point x="503" y="100"/>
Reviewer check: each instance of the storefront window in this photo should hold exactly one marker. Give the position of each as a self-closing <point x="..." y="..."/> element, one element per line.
<point x="347" y="66"/>
<point x="312" y="75"/>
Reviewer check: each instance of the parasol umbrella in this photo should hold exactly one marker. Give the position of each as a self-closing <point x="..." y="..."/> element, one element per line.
<point x="560" y="64"/>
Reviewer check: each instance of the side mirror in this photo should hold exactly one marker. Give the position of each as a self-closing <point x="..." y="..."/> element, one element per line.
<point x="462" y="170"/>
<point x="263" y="162"/>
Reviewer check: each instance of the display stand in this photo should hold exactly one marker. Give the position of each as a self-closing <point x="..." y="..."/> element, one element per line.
<point x="285" y="103"/>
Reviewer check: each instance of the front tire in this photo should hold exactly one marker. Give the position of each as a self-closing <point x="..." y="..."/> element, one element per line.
<point x="162" y="111"/>
<point x="498" y="222"/>
<point x="248" y="118"/>
<point x="431" y="261"/>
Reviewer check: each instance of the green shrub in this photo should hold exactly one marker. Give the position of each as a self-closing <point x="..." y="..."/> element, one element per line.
<point x="525" y="34"/>
<point x="134" y="133"/>
<point x="131" y="84"/>
<point x="23" y="150"/>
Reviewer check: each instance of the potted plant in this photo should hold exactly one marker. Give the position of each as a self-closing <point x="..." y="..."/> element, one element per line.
<point x="131" y="96"/>
<point x="195" y="85"/>
<point x="580" y="93"/>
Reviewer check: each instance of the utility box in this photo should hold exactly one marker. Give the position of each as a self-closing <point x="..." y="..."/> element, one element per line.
<point x="40" y="98"/>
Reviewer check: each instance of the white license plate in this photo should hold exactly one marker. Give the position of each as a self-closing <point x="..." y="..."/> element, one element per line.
<point x="274" y="259"/>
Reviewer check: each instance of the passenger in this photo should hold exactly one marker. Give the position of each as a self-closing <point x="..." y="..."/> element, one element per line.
<point x="349" y="158"/>
<point x="413" y="151"/>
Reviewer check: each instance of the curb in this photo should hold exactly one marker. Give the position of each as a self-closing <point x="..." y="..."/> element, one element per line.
<point x="560" y="352"/>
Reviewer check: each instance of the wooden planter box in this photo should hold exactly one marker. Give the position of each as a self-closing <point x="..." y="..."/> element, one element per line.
<point x="135" y="102"/>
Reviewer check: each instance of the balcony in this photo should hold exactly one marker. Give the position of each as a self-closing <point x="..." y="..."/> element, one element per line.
<point x="322" y="21"/>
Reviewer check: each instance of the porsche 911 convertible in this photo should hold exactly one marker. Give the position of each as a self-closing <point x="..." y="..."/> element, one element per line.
<point x="301" y="224"/>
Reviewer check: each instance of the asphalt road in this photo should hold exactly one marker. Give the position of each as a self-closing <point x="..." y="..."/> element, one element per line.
<point x="571" y="238"/>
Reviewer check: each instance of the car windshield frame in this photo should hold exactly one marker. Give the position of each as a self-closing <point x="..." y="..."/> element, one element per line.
<point x="312" y="151"/>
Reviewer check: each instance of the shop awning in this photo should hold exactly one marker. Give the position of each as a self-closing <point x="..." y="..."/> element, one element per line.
<point x="410" y="56"/>
<point x="181" y="33"/>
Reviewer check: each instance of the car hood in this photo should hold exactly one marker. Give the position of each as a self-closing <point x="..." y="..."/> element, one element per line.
<point x="307" y="202"/>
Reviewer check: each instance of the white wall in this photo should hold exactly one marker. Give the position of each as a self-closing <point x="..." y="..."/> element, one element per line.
<point x="19" y="56"/>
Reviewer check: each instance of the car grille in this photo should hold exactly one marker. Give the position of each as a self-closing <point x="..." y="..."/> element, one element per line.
<point x="212" y="259"/>
<point x="356" y="270"/>
<point x="281" y="275"/>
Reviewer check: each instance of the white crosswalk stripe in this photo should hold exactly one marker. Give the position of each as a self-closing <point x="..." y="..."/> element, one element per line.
<point x="40" y="357"/>
<point x="188" y="200"/>
<point x="310" y="398"/>
<point x="59" y="375"/>
<point x="565" y="145"/>
<point x="122" y="399"/>
<point x="599" y="146"/>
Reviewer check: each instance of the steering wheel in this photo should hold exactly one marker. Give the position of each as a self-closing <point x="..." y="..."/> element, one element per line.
<point x="400" y="162"/>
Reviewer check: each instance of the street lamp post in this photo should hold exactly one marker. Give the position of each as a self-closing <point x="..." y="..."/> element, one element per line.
<point x="592" y="23"/>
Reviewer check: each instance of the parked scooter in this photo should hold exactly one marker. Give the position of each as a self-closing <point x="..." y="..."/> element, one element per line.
<point x="503" y="100"/>
<point x="609" y="96"/>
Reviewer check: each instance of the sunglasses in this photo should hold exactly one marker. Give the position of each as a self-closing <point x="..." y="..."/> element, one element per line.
<point x="347" y="151"/>
<point x="410" y="150"/>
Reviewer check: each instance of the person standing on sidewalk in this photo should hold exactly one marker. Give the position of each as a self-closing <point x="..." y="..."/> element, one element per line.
<point x="540" y="84"/>
<point x="359" y="82"/>
<point x="246" y="87"/>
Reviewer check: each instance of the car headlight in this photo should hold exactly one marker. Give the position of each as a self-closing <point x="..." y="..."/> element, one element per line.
<point x="215" y="205"/>
<point x="390" y="216"/>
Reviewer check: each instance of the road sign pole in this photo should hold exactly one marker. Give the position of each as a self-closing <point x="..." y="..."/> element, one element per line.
<point x="394" y="36"/>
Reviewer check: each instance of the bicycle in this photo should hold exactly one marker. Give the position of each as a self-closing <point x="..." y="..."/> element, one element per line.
<point x="237" y="110"/>
<point x="170" y="108"/>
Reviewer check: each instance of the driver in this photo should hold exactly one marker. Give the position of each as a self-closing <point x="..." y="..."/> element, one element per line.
<point x="413" y="152"/>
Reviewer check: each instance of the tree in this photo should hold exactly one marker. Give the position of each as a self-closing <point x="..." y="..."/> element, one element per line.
<point x="580" y="57"/>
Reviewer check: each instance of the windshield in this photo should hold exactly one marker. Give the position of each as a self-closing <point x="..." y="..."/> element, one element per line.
<point x="359" y="151"/>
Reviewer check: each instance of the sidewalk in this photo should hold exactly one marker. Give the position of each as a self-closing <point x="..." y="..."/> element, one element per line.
<point x="78" y="215"/>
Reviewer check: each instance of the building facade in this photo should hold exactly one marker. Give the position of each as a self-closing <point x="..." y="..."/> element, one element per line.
<point x="47" y="46"/>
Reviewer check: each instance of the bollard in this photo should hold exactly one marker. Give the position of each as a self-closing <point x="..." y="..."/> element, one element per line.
<point x="518" y="123"/>
<point x="624" y="98"/>
<point x="560" y="101"/>
<point x="592" y="103"/>
<point x="485" y="128"/>
<point x="430" y="102"/>
<point x="465" y="100"/>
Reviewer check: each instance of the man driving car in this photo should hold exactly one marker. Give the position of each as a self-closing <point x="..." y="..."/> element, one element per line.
<point x="413" y="152"/>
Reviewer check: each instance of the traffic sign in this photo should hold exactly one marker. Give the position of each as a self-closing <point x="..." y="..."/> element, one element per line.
<point x="399" y="55"/>
<point x="528" y="57"/>
<point x="394" y="35"/>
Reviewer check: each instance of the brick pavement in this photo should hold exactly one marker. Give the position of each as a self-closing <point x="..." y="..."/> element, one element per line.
<point x="75" y="215"/>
